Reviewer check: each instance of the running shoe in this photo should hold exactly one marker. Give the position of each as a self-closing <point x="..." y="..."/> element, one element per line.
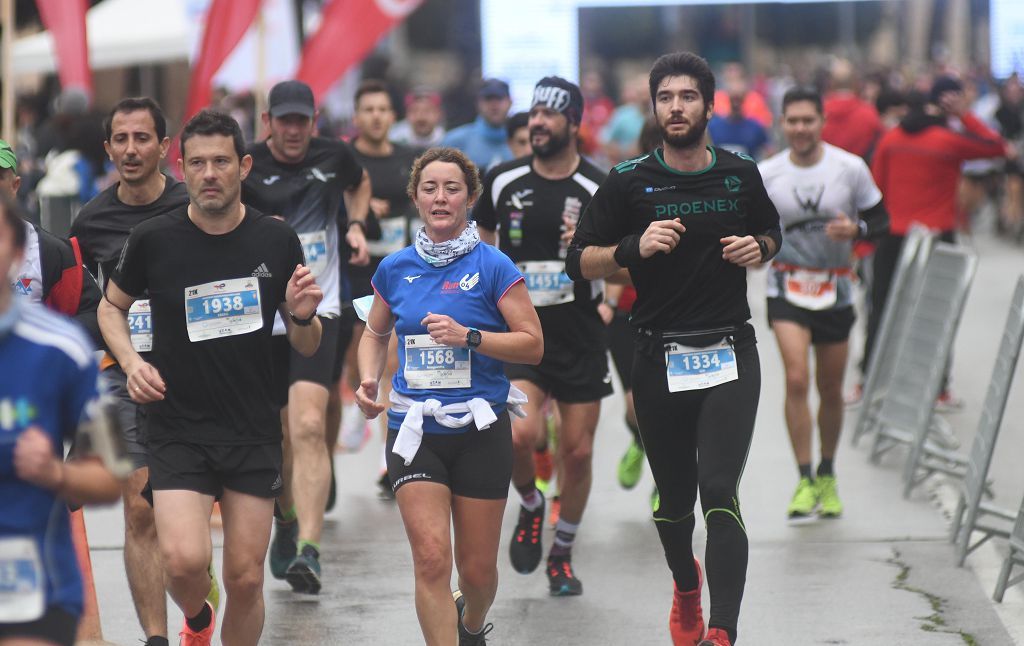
<point x="213" y="596"/>
<point x="631" y="466"/>
<point x="655" y="499"/>
<point x="355" y="429"/>
<point x="555" y="512"/>
<point x="686" y="618"/>
<point x="544" y="466"/>
<point x="561" y="580"/>
<point x="805" y="499"/>
<point x="283" y="548"/>
<point x="304" y="572"/>
<point x="716" y="637"/>
<point x="525" y="549"/>
<point x="384" y="490"/>
<point x="828" y="497"/>
<point x="203" y="637"/>
<point x="853" y="396"/>
<point x="948" y="402"/>
<point x="467" y="638"/>
<point x="332" y="493"/>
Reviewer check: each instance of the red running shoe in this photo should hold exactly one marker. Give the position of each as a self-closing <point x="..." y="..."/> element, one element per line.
<point x="686" y="619"/>
<point x="716" y="637"/>
<point x="204" y="637"/>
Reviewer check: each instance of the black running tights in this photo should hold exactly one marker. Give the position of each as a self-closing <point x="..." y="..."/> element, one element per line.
<point x="717" y="425"/>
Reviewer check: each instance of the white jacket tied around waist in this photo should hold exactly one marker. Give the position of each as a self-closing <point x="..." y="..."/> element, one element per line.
<point x="475" y="411"/>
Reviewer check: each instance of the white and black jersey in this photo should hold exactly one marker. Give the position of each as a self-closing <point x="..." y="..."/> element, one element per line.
<point x="529" y="214"/>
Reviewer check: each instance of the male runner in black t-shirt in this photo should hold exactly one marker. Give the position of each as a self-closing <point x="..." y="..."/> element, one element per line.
<point x="389" y="224"/>
<point x="302" y="179"/>
<point x="534" y="203"/>
<point x="136" y="142"/>
<point x="687" y="220"/>
<point x="217" y="272"/>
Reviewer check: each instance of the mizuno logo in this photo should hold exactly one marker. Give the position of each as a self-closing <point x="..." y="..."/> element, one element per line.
<point x="270" y="180"/>
<point x="412" y="278"/>
<point x="262" y="271"/>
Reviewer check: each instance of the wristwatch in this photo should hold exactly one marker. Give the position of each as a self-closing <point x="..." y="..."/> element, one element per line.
<point x="474" y="338"/>
<point x="302" y="322"/>
<point x="762" y="244"/>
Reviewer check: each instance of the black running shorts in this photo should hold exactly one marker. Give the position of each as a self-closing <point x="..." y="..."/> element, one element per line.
<point x="826" y="326"/>
<point x="290" y="366"/>
<point x="473" y="464"/>
<point x="568" y="377"/>
<point x="210" y="469"/>
<point x="56" y="625"/>
<point x="129" y="414"/>
<point x="621" y="344"/>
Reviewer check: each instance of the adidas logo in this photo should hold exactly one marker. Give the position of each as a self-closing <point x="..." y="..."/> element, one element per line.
<point x="262" y="271"/>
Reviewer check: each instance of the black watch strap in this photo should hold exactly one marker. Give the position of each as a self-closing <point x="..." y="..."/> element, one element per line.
<point x="302" y="322"/>
<point x="473" y="338"/>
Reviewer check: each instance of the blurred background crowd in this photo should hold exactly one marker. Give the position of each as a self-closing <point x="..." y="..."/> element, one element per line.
<point x="866" y="58"/>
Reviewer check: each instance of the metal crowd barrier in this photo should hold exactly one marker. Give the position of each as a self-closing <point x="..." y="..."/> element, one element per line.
<point x="905" y="286"/>
<point x="907" y="410"/>
<point x="972" y="513"/>
<point x="1015" y="557"/>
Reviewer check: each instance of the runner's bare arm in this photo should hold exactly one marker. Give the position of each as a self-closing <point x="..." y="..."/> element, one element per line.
<point x="372" y="357"/>
<point x="144" y="382"/>
<point x="81" y="481"/>
<point x="301" y="299"/>
<point x="357" y="203"/>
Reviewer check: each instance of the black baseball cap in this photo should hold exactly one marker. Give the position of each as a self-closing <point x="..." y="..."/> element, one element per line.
<point x="291" y="97"/>
<point x="494" y="89"/>
<point x="942" y="85"/>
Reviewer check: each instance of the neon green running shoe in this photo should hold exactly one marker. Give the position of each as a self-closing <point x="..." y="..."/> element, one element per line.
<point x="631" y="466"/>
<point x="805" y="499"/>
<point x="655" y="499"/>
<point x="828" y="496"/>
<point x="214" y="595"/>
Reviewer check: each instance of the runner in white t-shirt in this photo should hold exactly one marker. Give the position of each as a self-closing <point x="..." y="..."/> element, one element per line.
<point x="826" y="199"/>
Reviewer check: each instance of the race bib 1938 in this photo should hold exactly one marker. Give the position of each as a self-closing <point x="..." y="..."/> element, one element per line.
<point x="547" y="282"/>
<point x="691" y="368"/>
<point x="429" y="364"/>
<point x="223" y="308"/>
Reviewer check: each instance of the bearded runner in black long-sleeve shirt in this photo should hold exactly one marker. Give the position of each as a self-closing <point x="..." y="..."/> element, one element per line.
<point x="687" y="220"/>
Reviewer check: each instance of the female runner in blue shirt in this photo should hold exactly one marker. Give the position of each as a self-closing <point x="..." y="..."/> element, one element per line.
<point x="460" y="309"/>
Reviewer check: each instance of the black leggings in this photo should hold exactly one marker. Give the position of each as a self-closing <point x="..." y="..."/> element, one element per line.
<point x="717" y="424"/>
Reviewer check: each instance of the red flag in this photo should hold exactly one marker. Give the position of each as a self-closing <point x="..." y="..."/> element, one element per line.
<point x="348" y="31"/>
<point x="65" y="20"/>
<point x="226" y="23"/>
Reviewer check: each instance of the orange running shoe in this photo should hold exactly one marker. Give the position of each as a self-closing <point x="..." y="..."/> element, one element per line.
<point x="686" y="619"/>
<point x="204" y="637"/>
<point x="716" y="637"/>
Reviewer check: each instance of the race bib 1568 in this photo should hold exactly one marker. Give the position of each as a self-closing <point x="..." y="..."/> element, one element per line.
<point x="429" y="364"/>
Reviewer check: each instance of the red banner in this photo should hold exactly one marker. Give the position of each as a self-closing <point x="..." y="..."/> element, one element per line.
<point x="65" y="20"/>
<point x="348" y="31"/>
<point x="226" y="23"/>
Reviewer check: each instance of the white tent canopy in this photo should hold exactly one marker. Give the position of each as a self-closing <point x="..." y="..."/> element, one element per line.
<point x="121" y="32"/>
<point x="124" y="33"/>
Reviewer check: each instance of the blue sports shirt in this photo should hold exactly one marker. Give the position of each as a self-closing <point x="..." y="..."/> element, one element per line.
<point x="468" y="290"/>
<point x="48" y="379"/>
